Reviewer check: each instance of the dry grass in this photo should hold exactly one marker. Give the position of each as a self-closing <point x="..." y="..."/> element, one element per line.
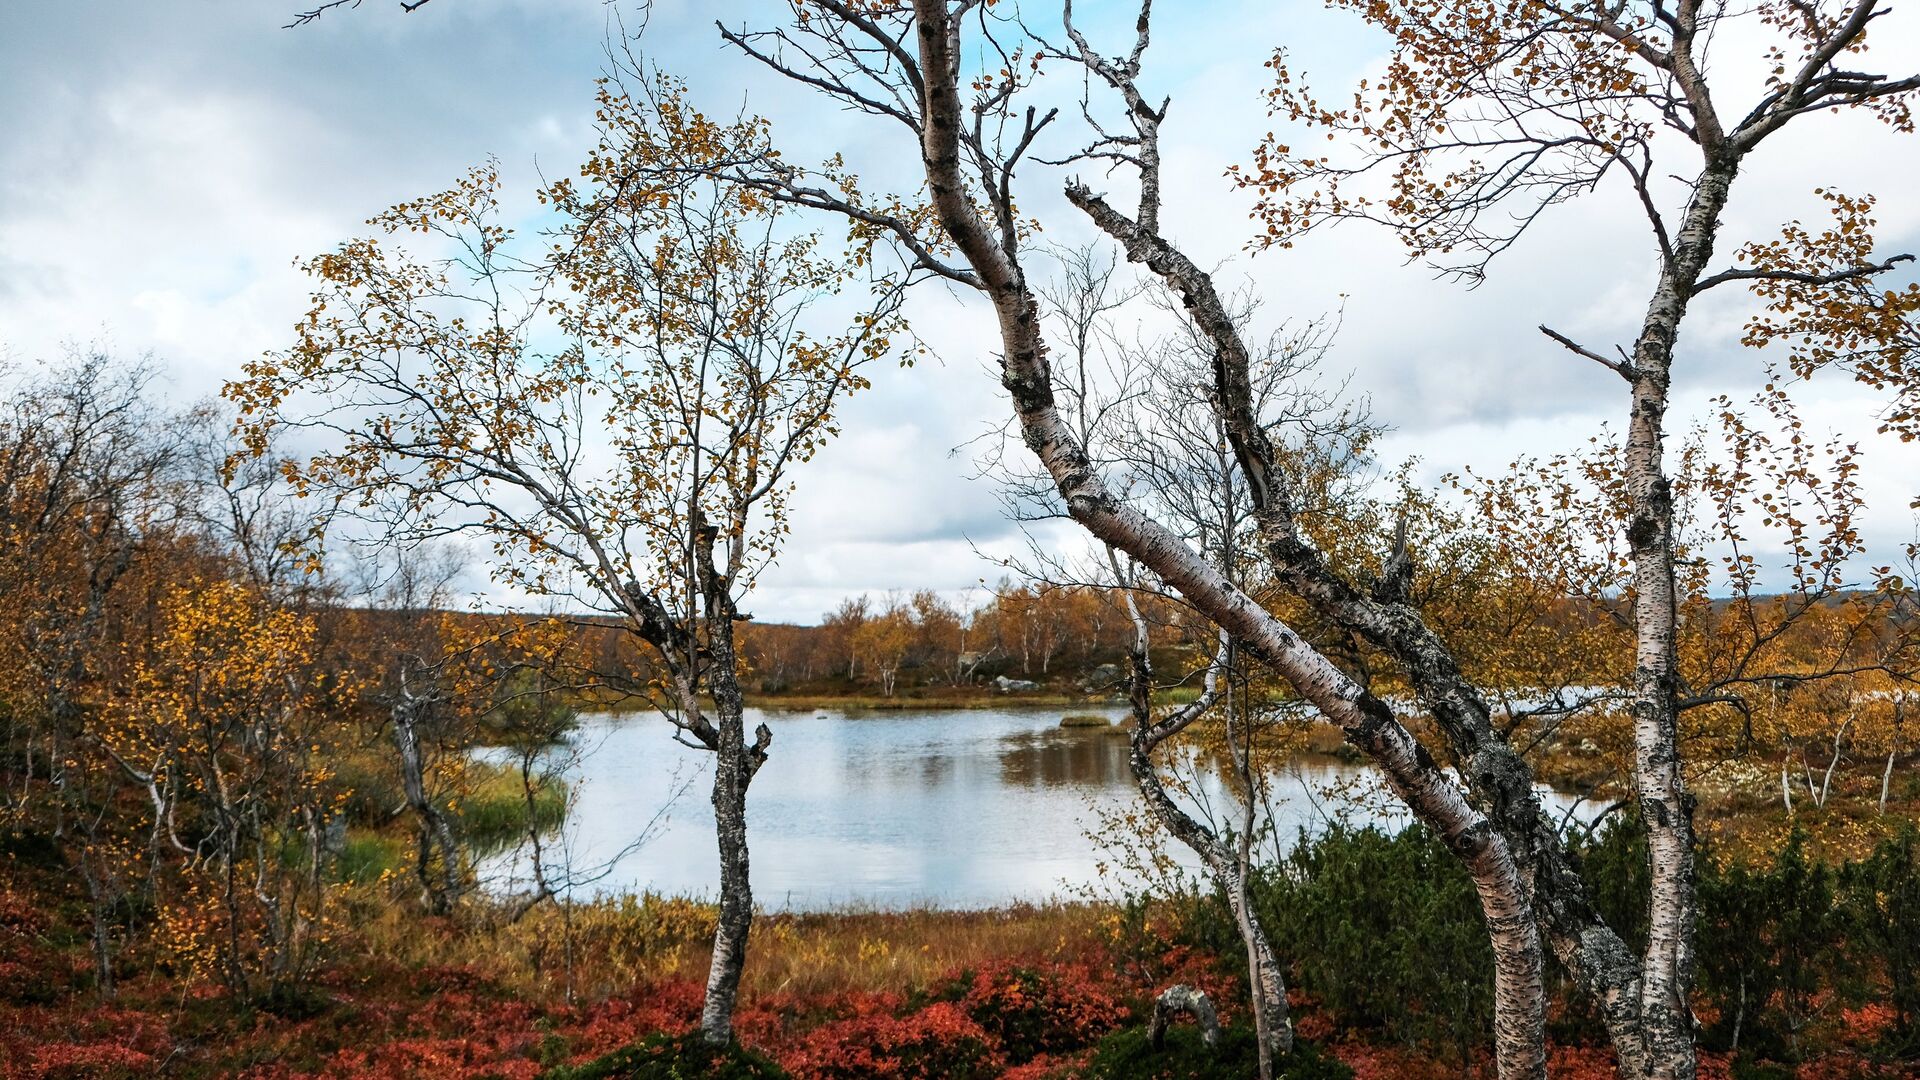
<point x="902" y="951"/>
<point x="599" y="948"/>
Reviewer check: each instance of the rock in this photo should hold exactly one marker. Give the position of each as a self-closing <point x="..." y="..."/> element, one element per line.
<point x="1008" y="686"/>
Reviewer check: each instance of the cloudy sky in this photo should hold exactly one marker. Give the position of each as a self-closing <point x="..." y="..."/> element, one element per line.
<point x="162" y="164"/>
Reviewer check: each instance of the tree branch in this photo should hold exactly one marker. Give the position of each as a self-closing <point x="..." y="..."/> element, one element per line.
<point x="313" y="14"/>
<point x="1835" y="278"/>
<point x="1618" y="367"/>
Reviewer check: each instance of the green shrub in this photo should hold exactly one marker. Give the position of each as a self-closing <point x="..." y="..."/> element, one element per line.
<point x="1384" y="932"/>
<point x="673" y="1057"/>
<point x="1128" y="1054"/>
<point x="1768" y="945"/>
<point x="1881" y="917"/>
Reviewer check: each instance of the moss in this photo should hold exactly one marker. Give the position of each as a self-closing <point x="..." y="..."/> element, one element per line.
<point x="673" y="1057"/>
<point x="1085" y="720"/>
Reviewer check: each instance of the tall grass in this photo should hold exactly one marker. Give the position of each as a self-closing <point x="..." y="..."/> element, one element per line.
<point x="594" y="948"/>
<point x="492" y="815"/>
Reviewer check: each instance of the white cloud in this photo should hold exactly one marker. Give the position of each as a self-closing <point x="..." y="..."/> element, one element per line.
<point x="162" y="166"/>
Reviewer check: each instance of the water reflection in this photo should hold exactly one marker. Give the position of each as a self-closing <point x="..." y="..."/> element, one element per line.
<point x="1085" y="757"/>
<point x="952" y="808"/>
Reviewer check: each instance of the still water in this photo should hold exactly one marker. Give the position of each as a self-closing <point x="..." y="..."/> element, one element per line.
<point x="948" y="808"/>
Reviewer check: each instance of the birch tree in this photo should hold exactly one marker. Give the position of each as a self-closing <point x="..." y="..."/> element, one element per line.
<point x="1145" y="411"/>
<point x="89" y="472"/>
<point x="1523" y="106"/>
<point x="903" y="63"/>
<point x="909" y="64"/>
<point x="617" y="416"/>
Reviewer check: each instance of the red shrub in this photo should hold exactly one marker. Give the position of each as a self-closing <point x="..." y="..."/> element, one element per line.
<point x="89" y="1061"/>
<point x="1041" y="1010"/>
<point x="1867" y="1024"/>
<point x="609" y="1025"/>
<point x="452" y="1059"/>
<point x="940" y="1042"/>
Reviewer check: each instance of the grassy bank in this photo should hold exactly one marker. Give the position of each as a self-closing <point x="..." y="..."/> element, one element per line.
<point x="847" y="696"/>
<point x="493" y="812"/>
<point x="923" y="698"/>
<point x="1389" y="970"/>
<point x="638" y="940"/>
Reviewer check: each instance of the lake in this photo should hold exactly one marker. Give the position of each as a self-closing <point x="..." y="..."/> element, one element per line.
<point x="951" y="808"/>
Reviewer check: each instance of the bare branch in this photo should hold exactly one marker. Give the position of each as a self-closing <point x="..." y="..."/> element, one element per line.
<point x="1837" y="277"/>
<point x="1621" y="367"/>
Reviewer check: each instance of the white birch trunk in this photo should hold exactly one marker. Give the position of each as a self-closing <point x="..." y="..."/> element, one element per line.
<point x="1367" y="722"/>
<point x="1666" y="1018"/>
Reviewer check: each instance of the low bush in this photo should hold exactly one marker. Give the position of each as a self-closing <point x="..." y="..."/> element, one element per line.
<point x="1796" y="958"/>
<point x="1128" y="1054"/>
<point x="1881" y="898"/>
<point x="938" y="1042"/>
<point x="1785" y="946"/>
<point x="1030" y="1011"/>
<point x="673" y="1057"/>
<point x="1384" y="932"/>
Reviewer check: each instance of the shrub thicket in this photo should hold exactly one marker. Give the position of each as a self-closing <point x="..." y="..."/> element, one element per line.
<point x="1383" y="933"/>
<point x="1129" y="1054"/>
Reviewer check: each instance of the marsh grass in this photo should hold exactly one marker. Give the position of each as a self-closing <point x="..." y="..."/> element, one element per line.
<point x="635" y="940"/>
<point x="365" y="858"/>
<point x="492" y="815"/>
<point x="940" y="698"/>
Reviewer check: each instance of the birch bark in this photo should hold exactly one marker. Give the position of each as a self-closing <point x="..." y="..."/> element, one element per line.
<point x="1367" y="722"/>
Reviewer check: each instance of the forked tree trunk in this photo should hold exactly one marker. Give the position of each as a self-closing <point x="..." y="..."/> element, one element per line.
<point x="1663" y="1048"/>
<point x="436" y="834"/>
<point x="1193" y="1002"/>
<point x="1833" y="763"/>
<point x="730" y="780"/>
<point x="1266" y="980"/>
<point x="1366" y="721"/>
<point x="735" y="763"/>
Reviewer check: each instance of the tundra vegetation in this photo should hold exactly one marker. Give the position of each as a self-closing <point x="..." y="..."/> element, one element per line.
<point x="242" y="807"/>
